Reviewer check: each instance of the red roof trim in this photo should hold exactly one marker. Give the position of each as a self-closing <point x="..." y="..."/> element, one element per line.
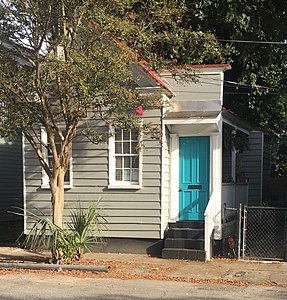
<point x="152" y="73"/>
<point x="223" y="66"/>
<point x="145" y="65"/>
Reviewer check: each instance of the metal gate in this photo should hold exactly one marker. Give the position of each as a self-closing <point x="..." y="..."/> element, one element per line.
<point x="264" y="233"/>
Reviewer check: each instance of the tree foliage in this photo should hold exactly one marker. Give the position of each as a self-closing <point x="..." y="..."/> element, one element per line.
<point x="68" y="61"/>
<point x="158" y="33"/>
<point x="259" y="69"/>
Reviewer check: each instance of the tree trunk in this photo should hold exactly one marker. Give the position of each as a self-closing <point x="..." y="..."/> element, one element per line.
<point x="57" y="196"/>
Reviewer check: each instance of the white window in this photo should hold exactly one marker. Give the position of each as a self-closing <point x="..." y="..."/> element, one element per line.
<point x="49" y="160"/>
<point x="125" y="159"/>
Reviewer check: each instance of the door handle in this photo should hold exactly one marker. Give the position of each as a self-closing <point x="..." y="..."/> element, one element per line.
<point x="180" y="190"/>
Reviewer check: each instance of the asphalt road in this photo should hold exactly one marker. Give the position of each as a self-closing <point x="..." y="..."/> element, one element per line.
<point x="42" y="286"/>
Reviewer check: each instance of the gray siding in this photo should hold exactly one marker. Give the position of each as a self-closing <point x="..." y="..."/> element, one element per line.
<point x="266" y="168"/>
<point x="129" y="213"/>
<point x="226" y="165"/>
<point x="252" y="166"/>
<point x="204" y="94"/>
<point x="11" y="183"/>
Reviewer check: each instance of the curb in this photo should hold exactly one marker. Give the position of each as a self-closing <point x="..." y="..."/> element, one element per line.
<point x="57" y="267"/>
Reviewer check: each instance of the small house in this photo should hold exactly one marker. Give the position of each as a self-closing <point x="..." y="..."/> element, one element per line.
<point x="167" y="198"/>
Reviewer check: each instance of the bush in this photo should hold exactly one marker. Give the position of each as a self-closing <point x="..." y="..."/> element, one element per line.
<point x="67" y="244"/>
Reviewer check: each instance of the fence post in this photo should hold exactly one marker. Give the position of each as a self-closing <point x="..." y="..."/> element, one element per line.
<point x="285" y="238"/>
<point x="244" y="231"/>
<point x="239" y="231"/>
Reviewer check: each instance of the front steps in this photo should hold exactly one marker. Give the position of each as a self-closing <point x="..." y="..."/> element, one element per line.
<point x="184" y="240"/>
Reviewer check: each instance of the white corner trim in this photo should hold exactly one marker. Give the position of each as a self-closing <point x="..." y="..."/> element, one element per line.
<point x="174" y="177"/>
<point x="24" y="184"/>
<point x="221" y="87"/>
<point x="162" y="182"/>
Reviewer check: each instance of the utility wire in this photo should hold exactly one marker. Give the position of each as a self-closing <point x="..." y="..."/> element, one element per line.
<point x="253" y="42"/>
<point x="217" y="82"/>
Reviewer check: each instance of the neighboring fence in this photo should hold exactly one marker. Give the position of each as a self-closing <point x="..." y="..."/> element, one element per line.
<point x="264" y="233"/>
<point x="231" y="231"/>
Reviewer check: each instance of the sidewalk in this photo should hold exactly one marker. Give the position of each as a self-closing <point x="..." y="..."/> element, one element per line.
<point x="127" y="266"/>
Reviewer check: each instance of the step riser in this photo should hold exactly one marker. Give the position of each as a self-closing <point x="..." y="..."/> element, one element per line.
<point x="184" y="234"/>
<point x="187" y="224"/>
<point x="184" y="240"/>
<point x="184" y="244"/>
<point x="183" y="254"/>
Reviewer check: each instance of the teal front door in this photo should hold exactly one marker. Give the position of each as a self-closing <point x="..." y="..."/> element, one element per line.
<point x="194" y="169"/>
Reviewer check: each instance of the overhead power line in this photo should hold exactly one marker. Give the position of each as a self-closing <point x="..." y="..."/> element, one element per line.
<point x="253" y="42"/>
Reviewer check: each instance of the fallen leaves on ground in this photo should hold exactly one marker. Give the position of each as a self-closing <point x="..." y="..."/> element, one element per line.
<point x="134" y="270"/>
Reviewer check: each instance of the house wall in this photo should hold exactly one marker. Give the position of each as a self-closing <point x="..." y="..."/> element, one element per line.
<point x="252" y="164"/>
<point x="203" y="94"/>
<point x="166" y="180"/>
<point x="226" y="154"/>
<point x="10" y="178"/>
<point x="129" y="213"/>
<point x="226" y="165"/>
<point x="266" y="168"/>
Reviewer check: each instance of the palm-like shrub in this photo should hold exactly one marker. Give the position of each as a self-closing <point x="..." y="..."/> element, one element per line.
<point x="67" y="244"/>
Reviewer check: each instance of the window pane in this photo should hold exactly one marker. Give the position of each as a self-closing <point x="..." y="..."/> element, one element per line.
<point x="135" y="174"/>
<point x="119" y="162"/>
<point x="135" y="162"/>
<point x="126" y="148"/>
<point x="119" y="175"/>
<point x="118" y="148"/>
<point x="134" y="149"/>
<point x="134" y="135"/>
<point x="67" y="176"/>
<point x="126" y="135"/>
<point x="50" y="162"/>
<point x="118" y="134"/>
<point x="127" y="173"/>
<point x="127" y="162"/>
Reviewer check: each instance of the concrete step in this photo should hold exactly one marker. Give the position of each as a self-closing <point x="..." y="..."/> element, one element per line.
<point x="196" y="244"/>
<point x="187" y="254"/>
<point x="185" y="233"/>
<point x="187" y="224"/>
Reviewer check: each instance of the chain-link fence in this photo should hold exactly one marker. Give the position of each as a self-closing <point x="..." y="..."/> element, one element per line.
<point x="231" y="231"/>
<point x="264" y="232"/>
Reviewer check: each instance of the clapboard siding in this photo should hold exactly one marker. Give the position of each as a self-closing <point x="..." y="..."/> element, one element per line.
<point x="252" y="166"/>
<point x="11" y="183"/>
<point x="266" y="168"/>
<point x="129" y="213"/>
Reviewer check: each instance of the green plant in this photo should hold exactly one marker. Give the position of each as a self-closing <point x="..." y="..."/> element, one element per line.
<point x="67" y="244"/>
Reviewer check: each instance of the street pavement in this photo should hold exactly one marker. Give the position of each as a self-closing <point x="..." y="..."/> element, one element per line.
<point x="42" y="286"/>
<point x="216" y="279"/>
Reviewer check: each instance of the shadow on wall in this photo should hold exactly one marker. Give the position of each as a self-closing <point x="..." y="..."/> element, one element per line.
<point x="151" y="247"/>
<point x="11" y="178"/>
<point x="278" y="192"/>
<point x="10" y="231"/>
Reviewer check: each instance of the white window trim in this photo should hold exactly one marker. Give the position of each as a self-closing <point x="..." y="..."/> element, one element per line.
<point x="45" y="178"/>
<point x="113" y="184"/>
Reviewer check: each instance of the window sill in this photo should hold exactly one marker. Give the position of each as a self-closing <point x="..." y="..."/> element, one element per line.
<point x="47" y="187"/>
<point x="115" y="186"/>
